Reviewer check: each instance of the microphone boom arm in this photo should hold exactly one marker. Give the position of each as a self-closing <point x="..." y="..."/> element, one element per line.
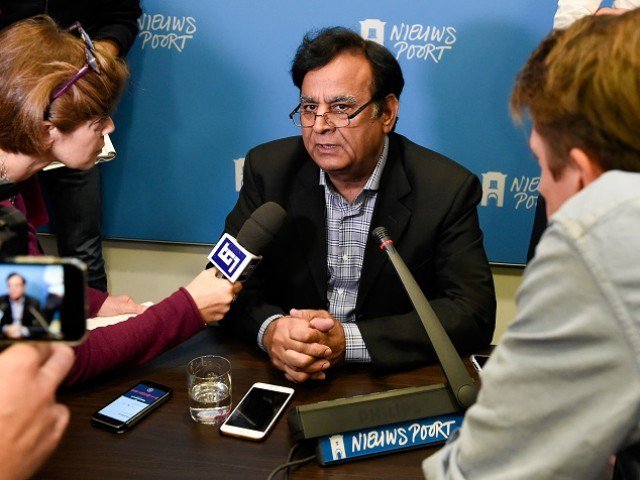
<point x="462" y="385"/>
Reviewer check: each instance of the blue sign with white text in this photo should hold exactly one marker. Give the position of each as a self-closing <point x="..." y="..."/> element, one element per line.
<point x="387" y="438"/>
<point x="210" y="80"/>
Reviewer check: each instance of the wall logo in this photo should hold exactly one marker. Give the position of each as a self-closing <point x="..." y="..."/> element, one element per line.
<point x="523" y="189"/>
<point x="166" y="31"/>
<point x="372" y="29"/>
<point x="337" y="447"/>
<point x="493" y="188"/>
<point x="238" y="166"/>
<point x="411" y="41"/>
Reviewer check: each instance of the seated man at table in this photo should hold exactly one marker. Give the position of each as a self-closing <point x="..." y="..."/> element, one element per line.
<point x="17" y="317"/>
<point x="561" y="393"/>
<point x="325" y="294"/>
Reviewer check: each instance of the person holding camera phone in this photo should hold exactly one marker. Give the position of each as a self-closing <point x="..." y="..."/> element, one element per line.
<point x="32" y="421"/>
<point x="56" y="91"/>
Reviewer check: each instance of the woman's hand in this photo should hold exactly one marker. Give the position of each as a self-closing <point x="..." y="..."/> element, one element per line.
<point x="120" y="305"/>
<point x="212" y="295"/>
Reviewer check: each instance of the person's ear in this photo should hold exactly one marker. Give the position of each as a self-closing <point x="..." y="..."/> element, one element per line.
<point x="389" y="112"/>
<point x="588" y="168"/>
<point x="50" y="133"/>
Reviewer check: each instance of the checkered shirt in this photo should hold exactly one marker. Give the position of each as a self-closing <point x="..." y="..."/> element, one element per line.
<point x="348" y="226"/>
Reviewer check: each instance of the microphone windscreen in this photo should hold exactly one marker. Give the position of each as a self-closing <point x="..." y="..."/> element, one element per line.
<point x="260" y="228"/>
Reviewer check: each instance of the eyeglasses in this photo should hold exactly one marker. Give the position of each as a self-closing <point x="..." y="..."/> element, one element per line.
<point x="92" y="62"/>
<point x="333" y="119"/>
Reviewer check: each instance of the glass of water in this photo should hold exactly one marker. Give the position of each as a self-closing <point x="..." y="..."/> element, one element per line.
<point x="209" y="384"/>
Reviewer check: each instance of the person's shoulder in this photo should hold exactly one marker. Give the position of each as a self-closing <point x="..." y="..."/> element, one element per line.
<point x="277" y="158"/>
<point x="282" y="148"/>
<point x="613" y="197"/>
<point x="422" y="161"/>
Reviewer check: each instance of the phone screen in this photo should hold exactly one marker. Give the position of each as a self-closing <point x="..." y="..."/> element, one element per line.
<point x="132" y="402"/>
<point x="257" y="409"/>
<point x="42" y="301"/>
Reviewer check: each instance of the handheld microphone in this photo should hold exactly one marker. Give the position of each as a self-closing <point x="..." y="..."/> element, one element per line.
<point x="236" y="258"/>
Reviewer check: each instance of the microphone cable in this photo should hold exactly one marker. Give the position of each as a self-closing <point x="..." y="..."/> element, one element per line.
<point x="290" y="463"/>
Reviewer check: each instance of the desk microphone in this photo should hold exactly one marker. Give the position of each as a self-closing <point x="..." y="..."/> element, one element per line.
<point x="384" y="422"/>
<point x="236" y="258"/>
<point x="460" y="381"/>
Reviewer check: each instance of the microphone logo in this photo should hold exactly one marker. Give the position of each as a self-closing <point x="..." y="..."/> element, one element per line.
<point x="230" y="258"/>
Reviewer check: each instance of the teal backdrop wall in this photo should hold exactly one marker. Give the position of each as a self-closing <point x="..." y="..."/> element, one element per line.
<point x="210" y="79"/>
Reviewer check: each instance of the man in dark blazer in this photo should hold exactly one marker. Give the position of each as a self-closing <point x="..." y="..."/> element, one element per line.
<point x="346" y="175"/>
<point x="17" y="309"/>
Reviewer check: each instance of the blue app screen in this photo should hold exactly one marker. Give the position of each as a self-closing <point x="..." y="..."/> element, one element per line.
<point x="132" y="402"/>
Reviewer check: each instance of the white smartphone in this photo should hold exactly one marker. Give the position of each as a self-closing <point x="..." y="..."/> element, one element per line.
<point x="257" y="412"/>
<point x="478" y="361"/>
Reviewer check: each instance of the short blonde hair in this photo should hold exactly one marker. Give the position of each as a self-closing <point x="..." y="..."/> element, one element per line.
<point x="581" y="87"/>
<point x="37" y="57"/>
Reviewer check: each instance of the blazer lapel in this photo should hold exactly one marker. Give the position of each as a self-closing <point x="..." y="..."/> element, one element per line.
<point x="390" y="213"/>
<point x="308" y="213"/>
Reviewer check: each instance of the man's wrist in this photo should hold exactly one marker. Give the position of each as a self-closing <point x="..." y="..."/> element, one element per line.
<point x="355" y="349"/>
<point x="263" y="329"/>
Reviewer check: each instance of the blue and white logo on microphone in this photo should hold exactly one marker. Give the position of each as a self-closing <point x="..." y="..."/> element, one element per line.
<point x="229" y="257"/>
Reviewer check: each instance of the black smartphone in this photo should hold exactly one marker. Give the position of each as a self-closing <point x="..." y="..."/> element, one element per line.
<point x="478" y="361"/>
<point x="131" y="407"/>
<point x="42" y="299"/>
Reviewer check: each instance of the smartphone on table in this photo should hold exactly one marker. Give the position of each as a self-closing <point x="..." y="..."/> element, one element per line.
<point x="257" y="412"/>
<point x="131" y="407"/>
<point x="478" y="361"/>
<point x="42" y="299"/>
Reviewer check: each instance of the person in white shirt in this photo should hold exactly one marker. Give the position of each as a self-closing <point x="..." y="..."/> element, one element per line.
<point x="571" y="10"/>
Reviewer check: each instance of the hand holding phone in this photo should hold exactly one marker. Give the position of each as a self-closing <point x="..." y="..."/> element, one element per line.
<point x="32" y="420"/>
<point x="131" y="407"/>
<point x="257" y="412"/>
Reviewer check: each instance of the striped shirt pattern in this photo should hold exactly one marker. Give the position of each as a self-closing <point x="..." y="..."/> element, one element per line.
<point x="348" y="226"/>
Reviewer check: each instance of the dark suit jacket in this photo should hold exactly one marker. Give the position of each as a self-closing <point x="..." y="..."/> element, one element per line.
<point x="28" y="320"/>
<point x="428" y="204"/>
<point x="101" y="19"/>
